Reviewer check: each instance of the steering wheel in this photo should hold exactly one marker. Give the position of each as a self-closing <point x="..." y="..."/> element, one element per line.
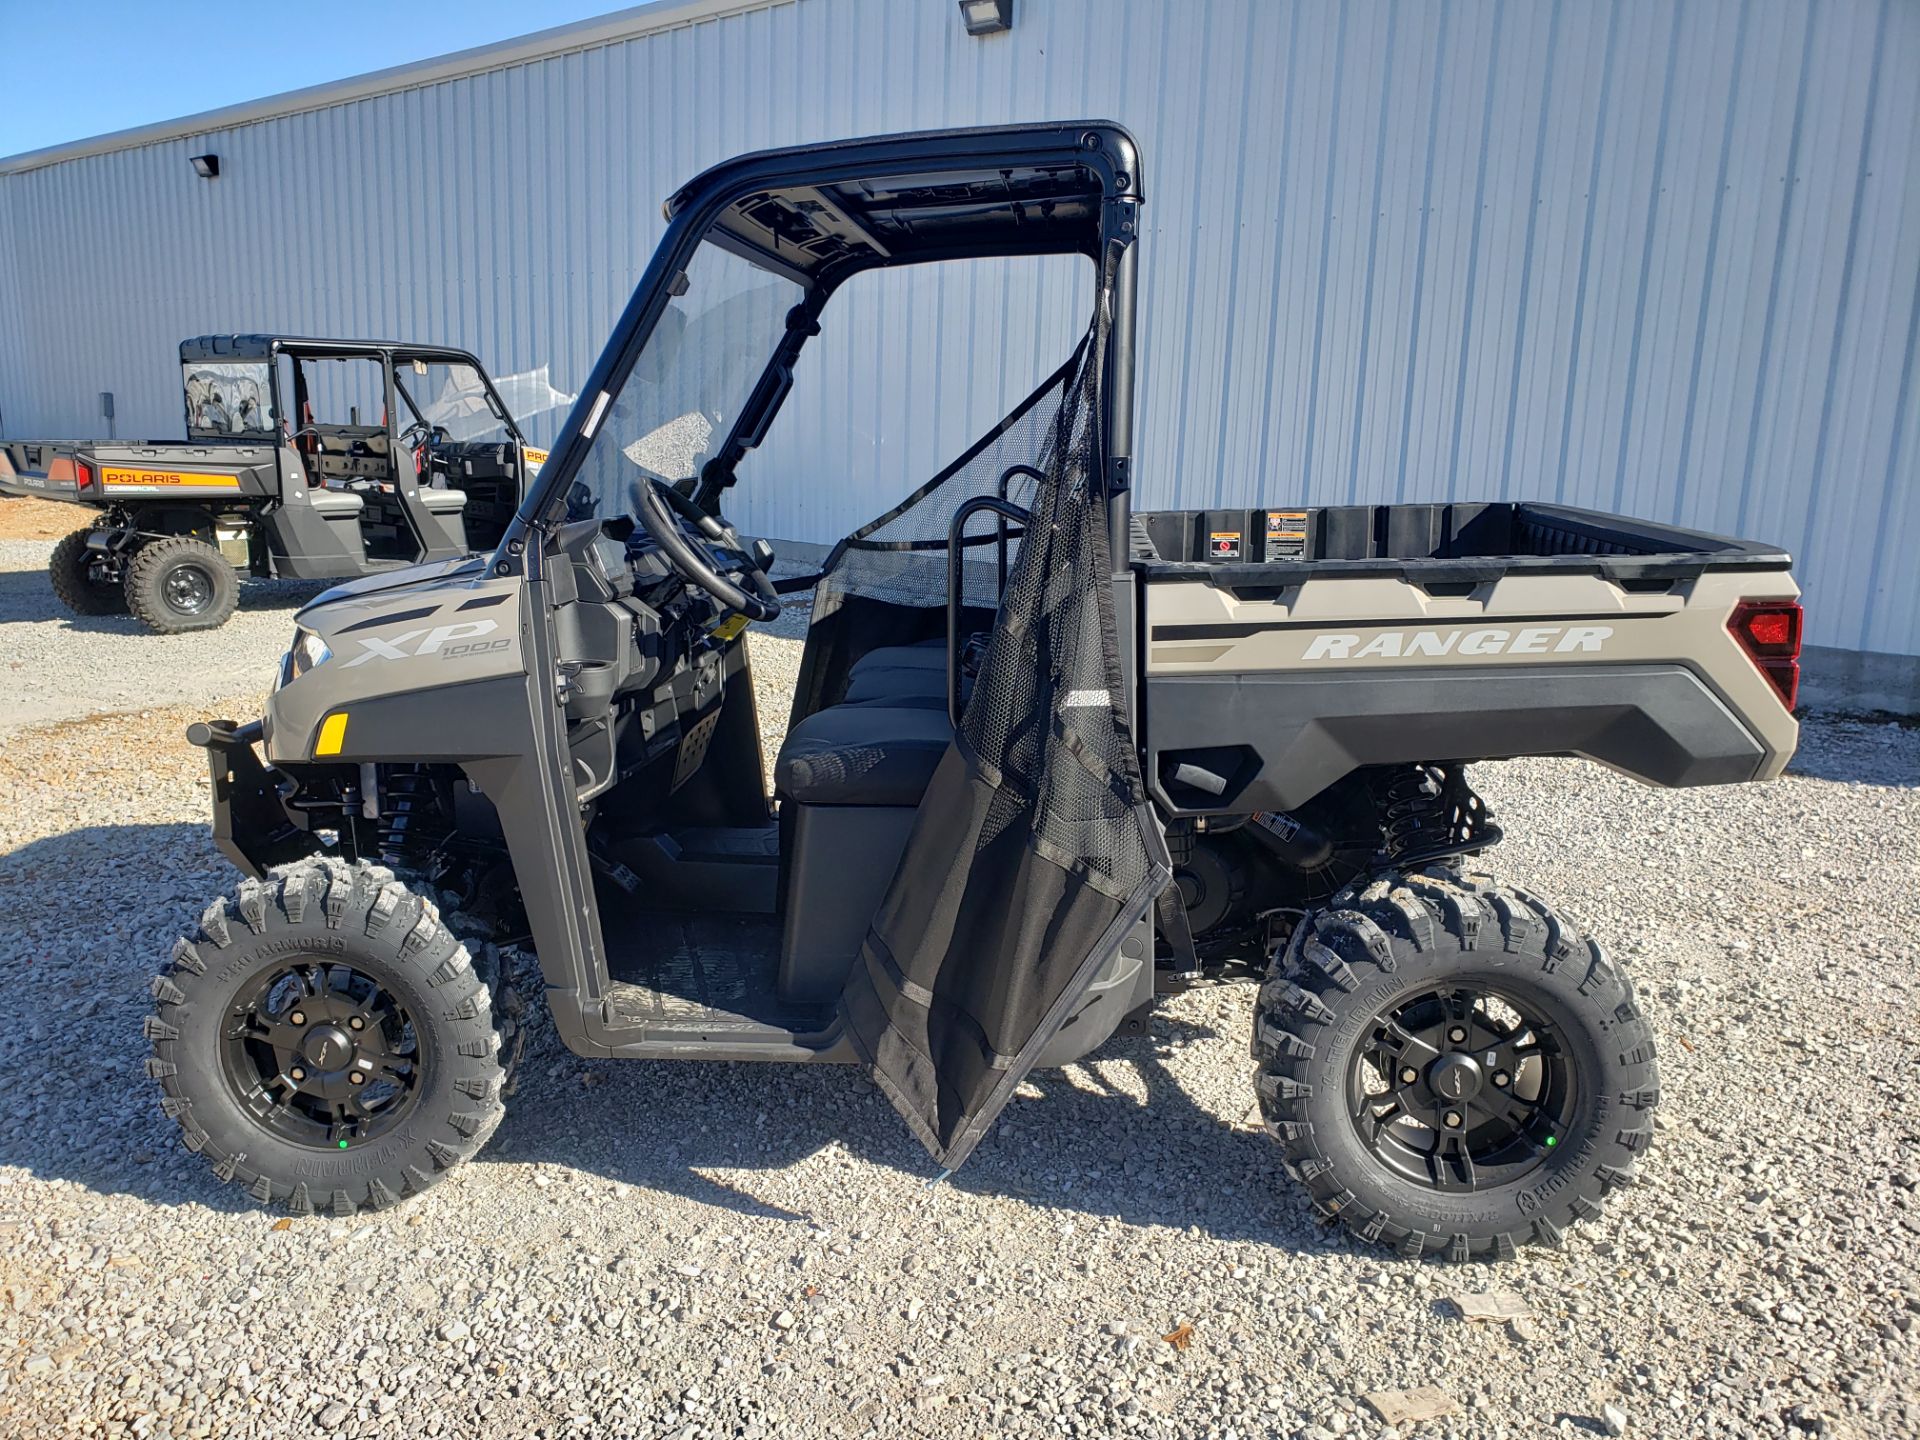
<point x="419" y="433"/>
<point x="668" y="517"/>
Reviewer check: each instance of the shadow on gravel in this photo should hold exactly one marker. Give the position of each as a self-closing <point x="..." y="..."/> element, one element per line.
<point x="1876" y="749"/>
<point x="76" y="986"/>
<point x="725" y="1135"/>
<point x="26" y="598"/>
<point x="743" y="1138"/>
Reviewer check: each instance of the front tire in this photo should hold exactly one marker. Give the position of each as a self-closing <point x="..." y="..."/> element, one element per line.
<point x="1452" y="1067"/>
<point x="324" y="1042"/>
<point x="181" y="584"/>
<point x="71" y="572"/>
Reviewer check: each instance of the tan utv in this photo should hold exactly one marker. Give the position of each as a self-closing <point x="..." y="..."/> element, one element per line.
<point x="1048" y="758"/>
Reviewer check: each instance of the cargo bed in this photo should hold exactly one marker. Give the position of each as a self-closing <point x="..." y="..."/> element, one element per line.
<point x="1344" y="636"/>
<point x="102" y="472"/>
<point x="1467" y="541"/>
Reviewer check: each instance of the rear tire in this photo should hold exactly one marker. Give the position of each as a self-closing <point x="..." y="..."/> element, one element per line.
<point x="71" y="572"/>
<point x="1452" y="1068"/>
<point x="181" y="584"/>
<point x="288" y="991"/>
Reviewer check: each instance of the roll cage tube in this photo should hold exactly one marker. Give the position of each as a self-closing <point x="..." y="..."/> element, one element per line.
<point x="394" y="356"/>
<point x="1101" y="149"/>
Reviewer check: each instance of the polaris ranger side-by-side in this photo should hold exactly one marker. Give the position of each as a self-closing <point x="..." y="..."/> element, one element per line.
<point x="1084" y="755"/>
<point x="305" y="459"/>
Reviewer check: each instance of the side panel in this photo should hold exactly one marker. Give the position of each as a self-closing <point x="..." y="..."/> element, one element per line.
<point x="1287" y="693"/>
<point x="183" y="472"/>
<point x="462" y="672"/>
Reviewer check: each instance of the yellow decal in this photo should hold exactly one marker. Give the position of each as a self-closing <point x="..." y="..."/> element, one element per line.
<point x="118" y="478"/>
<point x="333" y="734"/>
<point x="534" y="458"/>
<point x="728" y="628"/>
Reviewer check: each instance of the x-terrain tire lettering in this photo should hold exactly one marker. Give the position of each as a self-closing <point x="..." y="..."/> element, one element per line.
<point x="1452" y="1067"/>
<point x="324" y="1041"/>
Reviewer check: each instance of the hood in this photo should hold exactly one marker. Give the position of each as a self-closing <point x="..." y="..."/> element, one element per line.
<point x="434" y="573"/>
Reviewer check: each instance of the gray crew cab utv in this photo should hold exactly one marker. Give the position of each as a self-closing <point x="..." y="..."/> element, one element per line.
<point x="1047" y="758"/>
<point x="304" y="459"/>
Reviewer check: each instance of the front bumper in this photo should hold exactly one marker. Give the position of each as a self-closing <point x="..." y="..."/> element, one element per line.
<point x="250" y="825"/>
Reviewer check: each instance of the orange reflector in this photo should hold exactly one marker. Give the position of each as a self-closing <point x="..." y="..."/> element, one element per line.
<point x="333" y="734"/>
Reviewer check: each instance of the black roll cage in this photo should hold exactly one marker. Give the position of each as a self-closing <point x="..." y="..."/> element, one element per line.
<point x="821" y="214"/>
<point x="266" y="349"/>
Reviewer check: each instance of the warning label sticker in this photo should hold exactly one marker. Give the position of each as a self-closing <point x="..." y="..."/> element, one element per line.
<point x="1223" y="545"/>
<point x="1286" y="537"/>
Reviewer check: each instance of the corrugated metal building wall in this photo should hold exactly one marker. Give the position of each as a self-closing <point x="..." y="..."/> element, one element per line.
<point x="1660" y="257"/>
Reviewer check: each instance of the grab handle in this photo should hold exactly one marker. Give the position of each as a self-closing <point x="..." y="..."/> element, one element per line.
<point x="956" y="558"/>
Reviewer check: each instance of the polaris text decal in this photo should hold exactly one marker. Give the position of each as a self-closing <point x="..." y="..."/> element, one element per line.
<point x="1396" y="644"/>
<point x="437" y="641"/>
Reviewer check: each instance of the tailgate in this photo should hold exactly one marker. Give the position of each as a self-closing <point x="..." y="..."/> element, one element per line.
<point x="44" y="469"/>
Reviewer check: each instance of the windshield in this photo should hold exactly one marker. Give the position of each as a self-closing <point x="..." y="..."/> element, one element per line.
<point x="689" y="383"/>
<point x="450" y="397"/>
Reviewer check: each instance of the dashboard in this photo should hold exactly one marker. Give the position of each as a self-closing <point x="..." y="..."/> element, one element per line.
<point x="643" y="656"/>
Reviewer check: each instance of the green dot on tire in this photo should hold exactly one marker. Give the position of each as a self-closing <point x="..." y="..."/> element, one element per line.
<point x="324" y="1042"/>
<point x="1452" y="1068"/>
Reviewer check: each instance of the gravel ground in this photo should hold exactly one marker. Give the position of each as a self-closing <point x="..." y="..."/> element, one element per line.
<point x="709" y="1250"/>
<point x="56" y="665"/>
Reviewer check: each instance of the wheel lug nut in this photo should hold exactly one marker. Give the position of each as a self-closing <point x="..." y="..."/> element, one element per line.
<point x="297" y="1018"/>
<point x="1456" y="1034"/>
<point x="356" y="1078"/>
<point x="1409" y="1075"/>
<point x="297" y="1073"/>
<point x="1453" y="1119"/>
<point x="356" y="1023"/>
<point x="1500" y="1078"/>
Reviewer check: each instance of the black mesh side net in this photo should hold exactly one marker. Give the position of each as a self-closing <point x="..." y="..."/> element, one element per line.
<point x="886" y="583"/>
<point x="1033" y="854"/>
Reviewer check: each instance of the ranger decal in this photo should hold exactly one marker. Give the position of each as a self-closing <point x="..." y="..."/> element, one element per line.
<point x="1396" y="644"/>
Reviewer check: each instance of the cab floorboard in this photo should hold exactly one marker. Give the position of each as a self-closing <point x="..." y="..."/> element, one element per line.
<point x="700" y="971"/>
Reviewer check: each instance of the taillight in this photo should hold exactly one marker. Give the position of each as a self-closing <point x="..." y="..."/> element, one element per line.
<point x="82" y="475"/>
<point x="1769" y="631"/>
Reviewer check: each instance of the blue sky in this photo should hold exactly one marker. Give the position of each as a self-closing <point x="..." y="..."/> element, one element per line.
<point x="76" y="68"/>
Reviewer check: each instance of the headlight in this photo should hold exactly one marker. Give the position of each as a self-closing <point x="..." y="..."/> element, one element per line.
<point x="307" y="651"/>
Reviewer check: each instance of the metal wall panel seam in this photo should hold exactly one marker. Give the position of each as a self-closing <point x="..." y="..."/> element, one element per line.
<point x="1662" y="128"/>
<point x="1534" y="201"/>
<point x="1420" y="255"/>
<point x="1452" y="486"/>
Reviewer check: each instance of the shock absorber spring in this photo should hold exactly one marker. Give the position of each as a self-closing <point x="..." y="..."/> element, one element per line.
<point x="410" y="819"/>
<point x="1429" y="813"/>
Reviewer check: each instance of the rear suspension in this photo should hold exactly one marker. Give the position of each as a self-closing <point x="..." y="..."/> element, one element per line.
<point x="1429" y="813"/>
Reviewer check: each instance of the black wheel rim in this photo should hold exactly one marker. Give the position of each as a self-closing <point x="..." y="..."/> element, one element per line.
<point x="188" y="589"/>
<point x="322" y="1055"/>
<point x="1461" y="1088"/>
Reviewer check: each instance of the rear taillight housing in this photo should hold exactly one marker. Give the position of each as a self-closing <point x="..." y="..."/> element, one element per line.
<point x="1769" y="631"/>
<point x="82" y="475"/>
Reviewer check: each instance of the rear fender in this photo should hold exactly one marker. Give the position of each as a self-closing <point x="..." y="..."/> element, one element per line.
<point x="1268" y="700"/>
